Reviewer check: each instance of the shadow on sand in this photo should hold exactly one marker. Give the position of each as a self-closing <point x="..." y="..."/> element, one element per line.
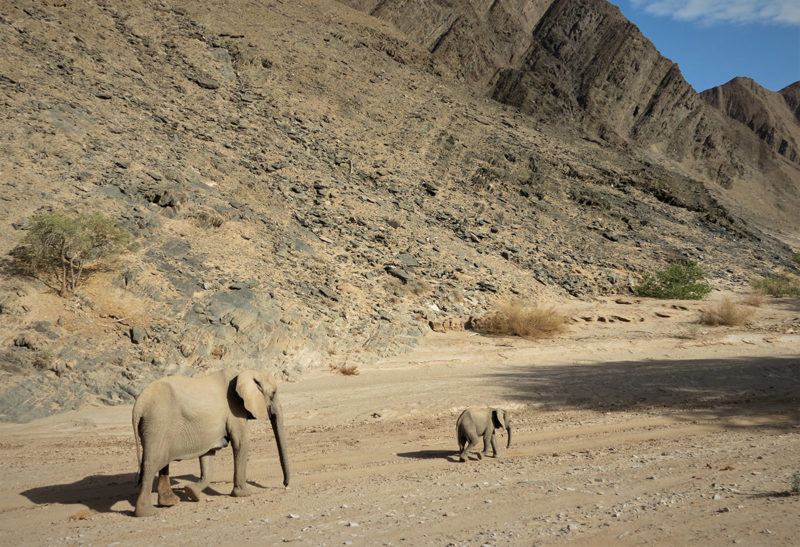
<point x="722" y="388"/>
<point x="101" y="492"/>
<point x="449" y="455"/>
<point x="97" y="492"/>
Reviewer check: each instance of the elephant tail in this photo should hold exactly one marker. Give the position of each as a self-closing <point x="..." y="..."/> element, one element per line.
<point x="461" y="434"/>
<point x="462" y="438"/>
<point x="137" y="435"/>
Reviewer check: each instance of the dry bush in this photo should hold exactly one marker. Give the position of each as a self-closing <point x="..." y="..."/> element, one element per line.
<point x="116" y="304"/>
<point x="754" y="298"/>
<point x="416" y="287"/>
<point x="691" y="332"/>
<point x="207" y="218"/>
<point x="219" y="351"/>
<point x="419" y="287"/>
<point x="518" y="319"/>
<point x="726" y="313"/>
<point x="786" y="284"/>
<point x="346" y="370"/>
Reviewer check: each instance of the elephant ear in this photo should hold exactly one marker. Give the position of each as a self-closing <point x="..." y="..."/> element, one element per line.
<point x="499" y="418"/>
<point x="251" y="392"/>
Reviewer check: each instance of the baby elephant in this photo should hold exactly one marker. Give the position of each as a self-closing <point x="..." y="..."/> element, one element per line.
<point x="474" y="423"/>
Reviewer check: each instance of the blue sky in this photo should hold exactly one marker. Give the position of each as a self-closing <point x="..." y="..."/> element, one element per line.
<point x="714" y="41"/>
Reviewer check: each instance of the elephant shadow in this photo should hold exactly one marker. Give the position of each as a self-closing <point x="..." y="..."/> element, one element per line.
<point x="449" y="455"/>
<point x="97" y="492"/>
<point x="101" y="492"/>
<point x="209" y="490"/>
<point x="177" y="487"/>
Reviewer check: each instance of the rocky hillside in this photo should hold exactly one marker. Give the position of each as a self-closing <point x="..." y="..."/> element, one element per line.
<point x="309" y="185"/>
<point x="581" y="63"/>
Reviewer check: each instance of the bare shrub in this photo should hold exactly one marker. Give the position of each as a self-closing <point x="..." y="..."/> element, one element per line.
<point x="419" y="287"/>
<point x="794" y="483"/>
<point x="219" y="351"/>
<point x="346" y="370"/>
<point x="207" y="219"/>
<point x="754" y="298"/>
<point x="416" y="287"/>
<point x="42" y="359"/>
<point x="525" y="321"/>
<point x="726" y="313"/>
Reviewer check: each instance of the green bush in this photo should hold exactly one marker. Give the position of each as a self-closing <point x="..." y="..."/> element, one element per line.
<point x="681" y="280"/>
<point x="787" y="284"/>
<point x="64" y="244"/>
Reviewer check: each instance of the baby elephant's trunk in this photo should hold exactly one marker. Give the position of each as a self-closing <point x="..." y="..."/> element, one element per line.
<point x="508" y="434"/>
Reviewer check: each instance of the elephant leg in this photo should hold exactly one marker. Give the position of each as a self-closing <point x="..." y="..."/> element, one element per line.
<point x="144" y="505"/>
<point x="195" y="491"/>
<point x="488" y="438"/>
<point x="166" y="496"/>
<point x="472" y="441"/>
<point x="493" y="442"/>
<point x="240" y="443"/>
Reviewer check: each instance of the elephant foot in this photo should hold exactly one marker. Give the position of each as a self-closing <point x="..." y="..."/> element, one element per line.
<point x="480" y="456"/>
<point x="192" y="492"/>
<point x="241" y="492"/>
<point x="144" y="511"/>
<point x="167" y="499"/>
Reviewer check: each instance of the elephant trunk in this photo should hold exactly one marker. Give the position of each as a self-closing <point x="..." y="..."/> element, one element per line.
<point x="508" y="434"/>
<point x="276" y="419"/>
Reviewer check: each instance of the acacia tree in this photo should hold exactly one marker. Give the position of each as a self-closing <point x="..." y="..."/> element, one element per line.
<point x="65" y="243"/>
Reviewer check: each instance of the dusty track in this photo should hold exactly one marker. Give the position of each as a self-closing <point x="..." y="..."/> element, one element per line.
<point x="651" y="430"/>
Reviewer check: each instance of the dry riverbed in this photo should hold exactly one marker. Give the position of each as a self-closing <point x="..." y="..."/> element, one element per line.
<point x="635" y="426"/>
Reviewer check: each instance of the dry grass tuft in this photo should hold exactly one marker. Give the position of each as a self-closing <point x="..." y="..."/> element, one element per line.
<point x="726" y="313"/>
<point x="219" y="351"/>
<point x="346" y="370"/>
<point x="83" y="514"/>
<point x="786" y="284"/>
<point x="518" y="319"/>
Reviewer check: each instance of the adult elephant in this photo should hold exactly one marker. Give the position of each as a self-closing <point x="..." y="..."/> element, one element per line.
<point x="177" y="418"/>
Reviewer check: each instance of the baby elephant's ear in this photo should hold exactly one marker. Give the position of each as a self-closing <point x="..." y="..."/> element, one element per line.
<point x="499" y="418"/>
<point x="252" y="395"/>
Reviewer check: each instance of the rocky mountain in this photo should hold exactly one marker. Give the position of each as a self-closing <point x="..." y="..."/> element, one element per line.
<point x="310" y="185"/>
<point x="583" y="64"/>
<point x="774" y="117"/>
<point x="791" y="94"/>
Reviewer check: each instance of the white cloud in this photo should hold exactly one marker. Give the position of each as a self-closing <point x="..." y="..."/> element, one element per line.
<point x="725" y="11"/>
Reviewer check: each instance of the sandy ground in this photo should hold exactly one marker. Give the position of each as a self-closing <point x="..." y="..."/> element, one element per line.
<point x="636" y="426"/>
